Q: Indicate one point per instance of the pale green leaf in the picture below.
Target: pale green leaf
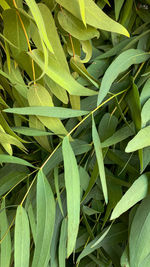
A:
(45, 221)
(137, 191)
(120, 64)
(47, 111)
(15, 160)
(62, 244)
(100, 161)
(72, 183)
(30, 131)
(140, 234)
(22, 239)
(145, 94)
(139, 141)
(94, 16)
(146, 113)
(6, 243)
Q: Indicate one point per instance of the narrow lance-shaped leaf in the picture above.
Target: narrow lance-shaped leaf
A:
(72, 182)
(62, 244)
(6, 243)
(140, 140)
(15, 160)
(22, 239)
(40, 23)
(120, 64)
(137, 191)
(57, 189)
(99, 156)
(45, 221)
(81, 4)
(52, 112)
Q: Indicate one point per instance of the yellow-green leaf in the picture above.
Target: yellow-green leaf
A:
(57, 73)
(94, 16)
(81, 4)
(39, 96)
(40, 23)
(75, 27)
(4, 4)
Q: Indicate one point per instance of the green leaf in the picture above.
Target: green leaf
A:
(40, 23)
(75, 27)
(139, 234)
(35, 123)
(145, 113)
(11, 175)
(139, 141)
(57, 189)
(39, 96)
(94, 16)
(119, 136)
(57, 90)
(115, 234)
(137, 191)
(72, 183)
(13, 30)
(100, 161)
(133, 100)
(59, 75)
(4, 5)
(81, 4)
(120, 64)
(45, 221)
(54, 112)
(53, 36)
(145, 94)
(8, 139)
(22, 239)
(118, 6)
(62, 244)
(79, 147)
(14, 160)
(6, 242)
(80, 68)
(102, 237)
(30, 131)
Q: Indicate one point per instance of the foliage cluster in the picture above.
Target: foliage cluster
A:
(74, 133)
